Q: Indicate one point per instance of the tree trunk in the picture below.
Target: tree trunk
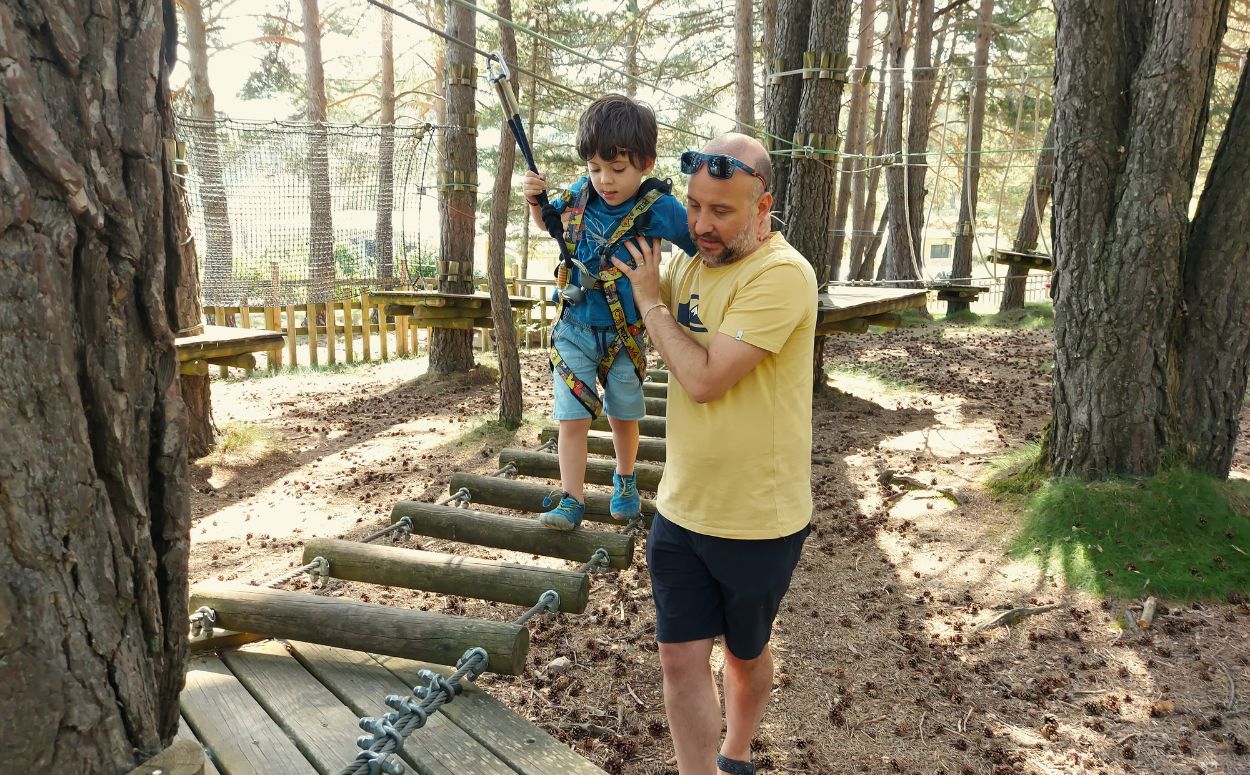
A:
(899, 266)
(768, 39)
(811, 183)
(744, 67)
(864, 197)
(320, 224)
(452, 350)
(810, 187)
(790, 42)
(510, 405)
(218, 250)
(1213, 336)
(961, 262)
(918, 124)
(384, 240)
(631, 47)
(1031, 221)
(1131, 108)
(854, 167)
(93, 490)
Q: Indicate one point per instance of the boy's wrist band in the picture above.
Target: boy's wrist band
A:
(531, 202)
(652, 307)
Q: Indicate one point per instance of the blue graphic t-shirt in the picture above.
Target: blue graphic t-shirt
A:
(599, 222)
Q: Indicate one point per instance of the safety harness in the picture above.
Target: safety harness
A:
(633, 223)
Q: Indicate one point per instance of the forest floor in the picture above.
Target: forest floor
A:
(879, 667)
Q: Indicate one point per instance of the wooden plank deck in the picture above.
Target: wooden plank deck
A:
(516, 741)
(847, 302)
(225, 342)
(291, 708)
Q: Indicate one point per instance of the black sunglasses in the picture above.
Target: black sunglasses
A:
(719, 165)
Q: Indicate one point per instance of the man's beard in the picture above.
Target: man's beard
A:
(742, 244)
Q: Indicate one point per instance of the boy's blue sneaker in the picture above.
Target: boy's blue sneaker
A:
(566, 516)
(626, 504)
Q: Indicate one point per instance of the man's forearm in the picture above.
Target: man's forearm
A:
(686, 359)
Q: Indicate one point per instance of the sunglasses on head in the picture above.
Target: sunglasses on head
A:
(719, 165)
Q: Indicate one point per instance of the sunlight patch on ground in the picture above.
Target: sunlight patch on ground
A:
(976, 437)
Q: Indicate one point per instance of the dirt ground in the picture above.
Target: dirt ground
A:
(879, 669)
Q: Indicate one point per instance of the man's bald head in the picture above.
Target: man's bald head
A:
(745, 149)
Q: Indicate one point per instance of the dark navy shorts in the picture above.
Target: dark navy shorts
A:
(706, 586)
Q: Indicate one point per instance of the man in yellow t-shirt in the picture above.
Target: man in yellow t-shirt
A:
(736, 326)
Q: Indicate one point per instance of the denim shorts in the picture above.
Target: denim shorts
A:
(581, 346)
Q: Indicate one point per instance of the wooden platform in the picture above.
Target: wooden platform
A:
(226, 346)
(291, 708)
(1027, 259)
(854, 308)
(954, 292)
(431, 309)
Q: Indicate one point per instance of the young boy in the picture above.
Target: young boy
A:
(616, 137)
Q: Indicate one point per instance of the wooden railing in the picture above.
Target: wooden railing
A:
(357, 330)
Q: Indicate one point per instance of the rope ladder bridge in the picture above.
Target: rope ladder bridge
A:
(281, 678)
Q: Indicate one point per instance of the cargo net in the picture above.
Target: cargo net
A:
(290, 213)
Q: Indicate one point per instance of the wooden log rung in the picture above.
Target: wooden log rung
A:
(529, 496)
(647, 426)
(449, 574)
(518, 535)
(348, 624)
(545, 464)
(600, 443)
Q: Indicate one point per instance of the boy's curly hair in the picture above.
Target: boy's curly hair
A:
(615, 124)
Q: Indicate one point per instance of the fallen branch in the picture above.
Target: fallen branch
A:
(1009, 618)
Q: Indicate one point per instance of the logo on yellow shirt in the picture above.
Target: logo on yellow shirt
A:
(688, 315)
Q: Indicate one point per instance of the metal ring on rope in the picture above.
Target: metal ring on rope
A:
(202, 621)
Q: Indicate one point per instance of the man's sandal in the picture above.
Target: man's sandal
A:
(733, 766)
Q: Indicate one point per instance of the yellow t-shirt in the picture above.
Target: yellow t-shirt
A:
(740, 466)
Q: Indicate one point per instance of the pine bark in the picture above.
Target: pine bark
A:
(320, 224)
(961, 261)
(451, 350)
(744, 67)
(898, 266)
(854, 168)
(789, 43)
(1132, 84)
(918, 123)
(811, 184)
(510, 404)
(93, 488)
(1031, 222)
(384, 238)
(1212, 341)
(218, 250)
(864, 240)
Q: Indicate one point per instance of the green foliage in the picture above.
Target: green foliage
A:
(1180, 534)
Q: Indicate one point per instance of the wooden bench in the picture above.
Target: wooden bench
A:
(956, 292)
(291, 708)
(1027, 259)
(852, 309)
(226, 346)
